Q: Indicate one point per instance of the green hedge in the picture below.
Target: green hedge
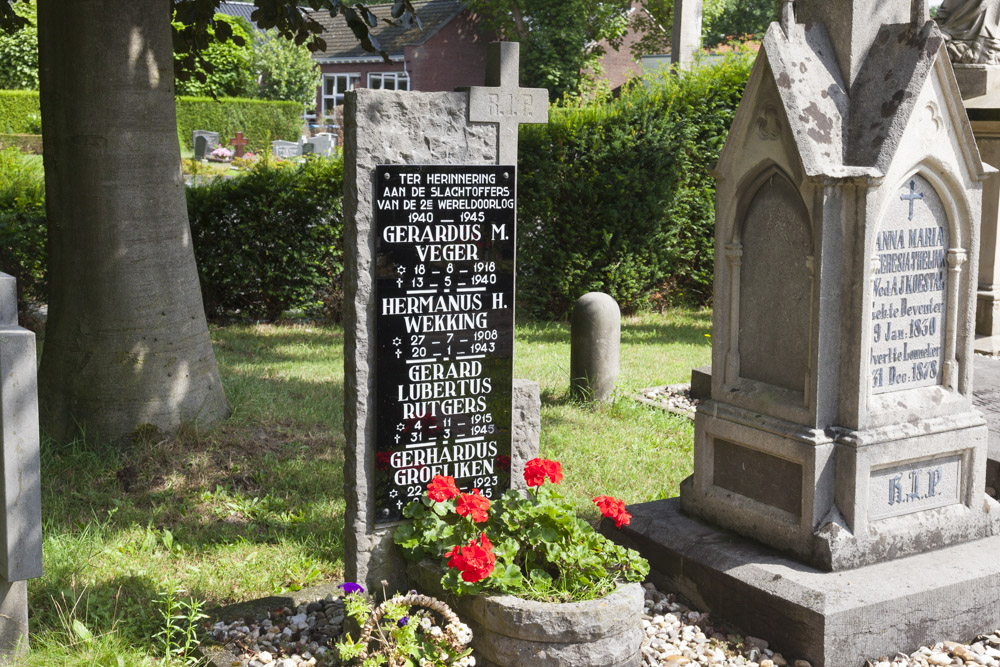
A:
(22, 224)
(618, 197)
(20, 112)
(271, 240)
(260, 121)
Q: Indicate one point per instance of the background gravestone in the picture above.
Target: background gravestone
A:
(840, 429)
(286, 149)
(428, 227)
(20, 485)
(204, 143)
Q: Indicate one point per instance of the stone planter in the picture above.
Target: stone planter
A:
(512, 632)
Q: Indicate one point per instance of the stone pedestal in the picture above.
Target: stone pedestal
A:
(20, 481)
(841, 430)
(831, 619)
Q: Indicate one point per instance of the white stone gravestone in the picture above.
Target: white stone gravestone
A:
(20, 486)
(426, 150)
(204, 143)
(286, 149)
(840, 429)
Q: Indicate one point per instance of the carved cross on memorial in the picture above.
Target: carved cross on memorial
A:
(239, 142)
(503, 102)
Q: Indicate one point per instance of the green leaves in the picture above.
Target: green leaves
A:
(619, 197)
(19, 48)
(543, 551)
(270, 240)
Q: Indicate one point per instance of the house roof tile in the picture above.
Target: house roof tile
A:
(341, 42)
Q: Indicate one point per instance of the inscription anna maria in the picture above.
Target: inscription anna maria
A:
(909, 290)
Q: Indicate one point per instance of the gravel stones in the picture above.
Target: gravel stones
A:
(678, 635)
(674, 635)
(674, 398)
(299, 637)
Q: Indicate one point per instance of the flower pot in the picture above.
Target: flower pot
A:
(513, 632)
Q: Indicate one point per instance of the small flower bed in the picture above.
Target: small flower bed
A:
(403, 632)
(534, 547)
(220, 154)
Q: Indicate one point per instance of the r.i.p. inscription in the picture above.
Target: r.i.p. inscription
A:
(909, 291)
(444, 298)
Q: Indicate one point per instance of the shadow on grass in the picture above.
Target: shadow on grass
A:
(532, 333)
(261, 345)
(664, 334)
(125, 605)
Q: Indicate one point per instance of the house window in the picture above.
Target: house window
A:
(334, 87)
(389, 80)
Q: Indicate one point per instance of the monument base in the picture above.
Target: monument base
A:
(840, 500)
(827, 618)
(989, 345)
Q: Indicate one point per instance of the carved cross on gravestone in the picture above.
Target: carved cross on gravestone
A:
(239, 142)
(913, 196)
(503, 102)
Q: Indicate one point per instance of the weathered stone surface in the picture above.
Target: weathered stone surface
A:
(20, 470)
(842, 326)
(595, 347)
(8, 301)
(512, 632)
(830, 619)
(701, 383)
(612, 651)
(384, 127)
(686, 33)
(775, 287)
(502, 102)
(526, 423)
(13, 618)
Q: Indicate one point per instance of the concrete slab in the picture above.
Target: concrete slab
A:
(986, 397)
(834, 619)
(987, 345)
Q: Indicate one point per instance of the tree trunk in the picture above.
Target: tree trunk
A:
(126, 342)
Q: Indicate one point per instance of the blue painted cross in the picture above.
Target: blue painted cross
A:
(911, 197)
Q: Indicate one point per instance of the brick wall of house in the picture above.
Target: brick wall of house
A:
(619, 66)
(454, 57)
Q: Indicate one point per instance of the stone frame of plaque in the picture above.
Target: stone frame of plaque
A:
(444, 290)
(950, 388)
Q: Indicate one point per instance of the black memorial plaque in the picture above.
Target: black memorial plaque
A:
(444, 298)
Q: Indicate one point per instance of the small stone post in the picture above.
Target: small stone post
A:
(20, 486)
(594, 354)
(686, 37)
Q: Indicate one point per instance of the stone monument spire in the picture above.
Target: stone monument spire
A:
(854, 24)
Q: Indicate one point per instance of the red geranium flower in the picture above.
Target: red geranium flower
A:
(442, 488)
(473, 504)
(382, 460)
(474, 561)
(536, 470)
(613, 508)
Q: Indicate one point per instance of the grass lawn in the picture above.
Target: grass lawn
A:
(254, 506)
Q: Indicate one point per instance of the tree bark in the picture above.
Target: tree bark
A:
(126, 341)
